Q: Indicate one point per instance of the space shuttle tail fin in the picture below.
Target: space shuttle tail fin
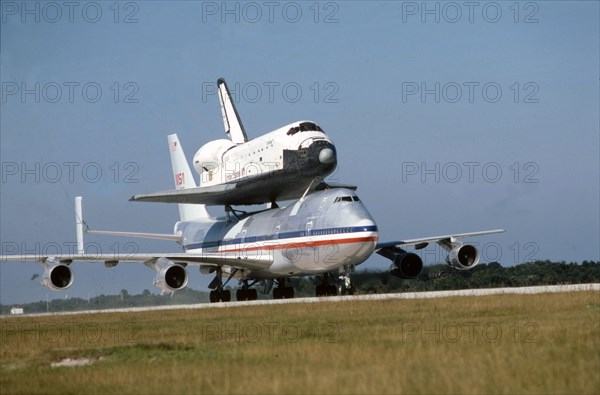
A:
(231, 120)
(184, 178)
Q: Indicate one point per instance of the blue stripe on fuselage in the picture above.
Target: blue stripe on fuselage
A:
(280, 236)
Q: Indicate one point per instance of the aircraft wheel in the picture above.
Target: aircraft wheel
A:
(277, 294)
(241, 295)
(251, 294)
(319, 291)
(225, 296)
(332, 290)
(213, 297)
(288, 292)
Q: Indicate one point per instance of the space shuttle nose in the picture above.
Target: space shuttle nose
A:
(326, 155)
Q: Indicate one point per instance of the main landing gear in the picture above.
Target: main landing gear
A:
(344, 286)
(246, 293)
(326, 289)
(282, 292)
(218, 293)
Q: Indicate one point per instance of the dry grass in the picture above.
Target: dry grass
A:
(539, 344)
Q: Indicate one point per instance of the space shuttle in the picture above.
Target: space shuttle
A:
(279, 165)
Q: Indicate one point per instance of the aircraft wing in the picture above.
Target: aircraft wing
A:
(217, 259)
(422, 242)
(211, 195)
(256, 190)
(409, 265)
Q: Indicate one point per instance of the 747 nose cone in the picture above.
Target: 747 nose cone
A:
(326, 156)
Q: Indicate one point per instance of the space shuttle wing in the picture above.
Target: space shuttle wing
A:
(242, 260)
(211, 195)
(257, 190)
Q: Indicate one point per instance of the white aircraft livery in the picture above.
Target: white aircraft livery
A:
(327, 231)
(279, 165)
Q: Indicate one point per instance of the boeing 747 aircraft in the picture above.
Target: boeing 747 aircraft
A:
(326, 231)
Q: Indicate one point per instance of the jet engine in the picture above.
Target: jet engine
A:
(462, 256)
(406, 265)
(210, 156)
(57, 276)
(170, 276)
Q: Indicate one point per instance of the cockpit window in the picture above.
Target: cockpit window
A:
(310, 127)
(305, 127)
(346, 199)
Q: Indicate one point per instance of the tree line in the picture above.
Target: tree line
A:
(432, 278)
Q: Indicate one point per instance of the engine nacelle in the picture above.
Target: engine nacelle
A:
(407, 265)
(170, 276)
(57, 276)
(210, 156)
(463, 257)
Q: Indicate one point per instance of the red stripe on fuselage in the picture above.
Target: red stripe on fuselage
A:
(304, 244)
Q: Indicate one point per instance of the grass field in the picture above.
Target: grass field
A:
(547, 343)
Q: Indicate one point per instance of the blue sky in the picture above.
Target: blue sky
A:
(448, 118)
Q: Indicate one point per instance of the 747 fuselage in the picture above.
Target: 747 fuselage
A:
(318, 234)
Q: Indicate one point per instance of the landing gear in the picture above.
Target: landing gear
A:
(246, 293)
(326, 289)
(219, 294)
(283, 292)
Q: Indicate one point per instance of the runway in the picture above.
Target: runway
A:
(347, 298)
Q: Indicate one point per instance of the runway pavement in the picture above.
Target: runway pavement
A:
(403, 295)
